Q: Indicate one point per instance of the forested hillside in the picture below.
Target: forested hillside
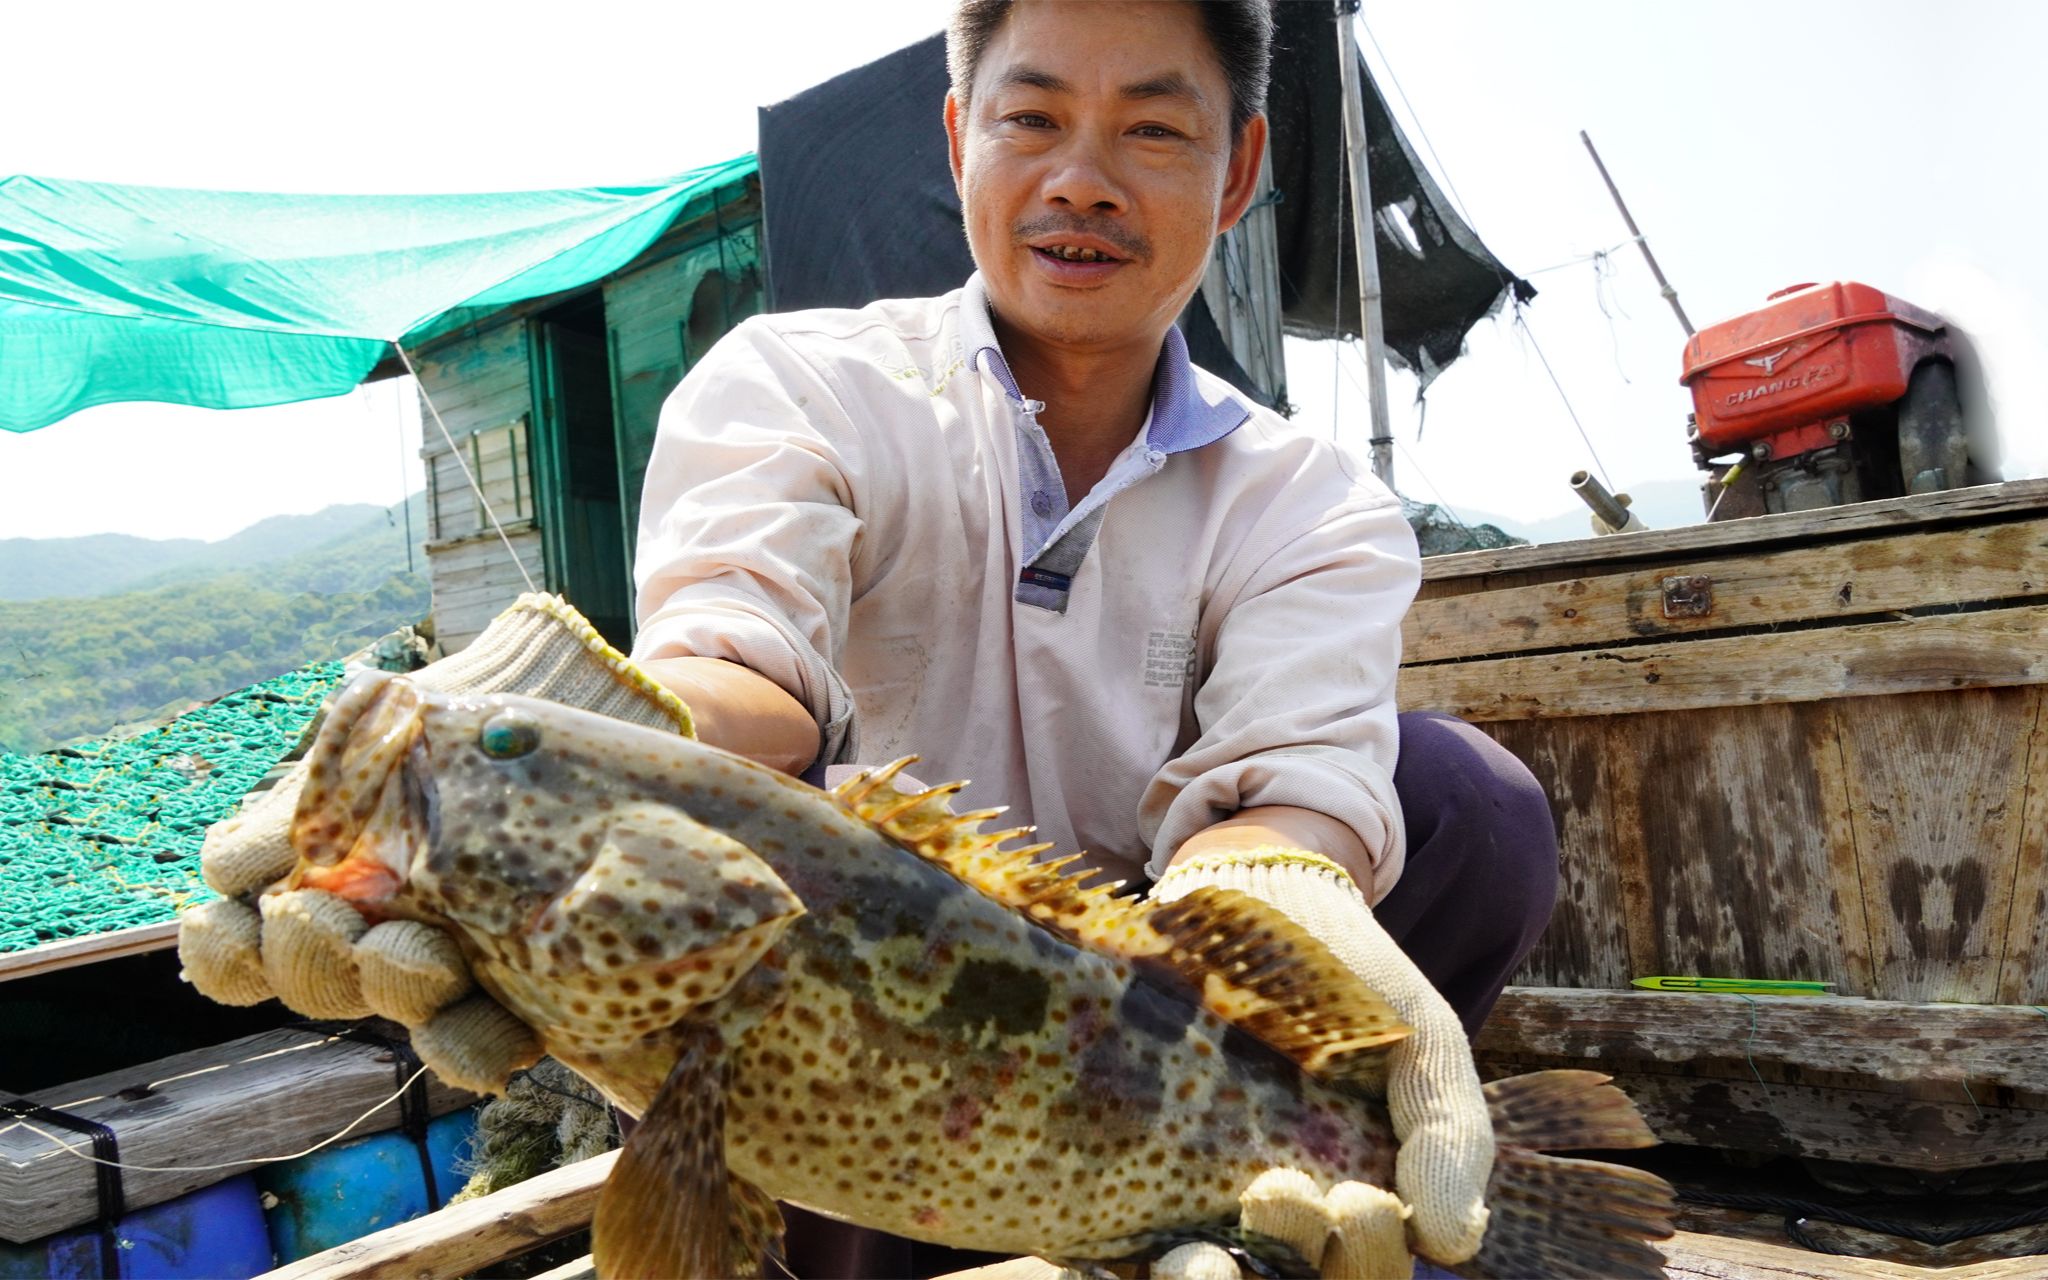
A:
(79, 667)
(103, 563)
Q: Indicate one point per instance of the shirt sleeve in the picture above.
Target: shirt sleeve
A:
(1298, 707)
(748, 529)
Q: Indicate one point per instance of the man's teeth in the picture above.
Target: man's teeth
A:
(1073, 254)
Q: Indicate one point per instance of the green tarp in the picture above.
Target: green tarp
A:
(235, 299)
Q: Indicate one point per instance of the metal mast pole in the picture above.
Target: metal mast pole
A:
(1663, 285)
(1369, 322)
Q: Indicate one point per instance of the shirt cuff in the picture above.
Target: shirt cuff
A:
(738, 632)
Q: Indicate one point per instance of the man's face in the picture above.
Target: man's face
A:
(1096, 168)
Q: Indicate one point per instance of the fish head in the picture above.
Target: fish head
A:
(367, 804)
(558, 846)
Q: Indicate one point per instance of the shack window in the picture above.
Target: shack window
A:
(500, 460)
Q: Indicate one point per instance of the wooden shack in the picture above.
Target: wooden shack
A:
(1809, 746)
(551, 405)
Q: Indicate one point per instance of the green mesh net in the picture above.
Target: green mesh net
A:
(105, 834)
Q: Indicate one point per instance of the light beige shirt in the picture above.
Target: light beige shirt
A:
(856, 505)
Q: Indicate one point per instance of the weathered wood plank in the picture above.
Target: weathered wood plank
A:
(1837, 834)
(1950, 506)
(464, 1238)
(1990, 649)
(1874, 1126)
(583, 1268)
(484, 578)
(1586, 942)
(1845, 580)
(1690, 1255)
(115, 943)
(1937, 786)
(194, 1109)
(1988, 1045)
(1737, 874)
(2023, 971)
(1768, 1227)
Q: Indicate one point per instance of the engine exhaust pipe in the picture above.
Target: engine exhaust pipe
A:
(1610, 514)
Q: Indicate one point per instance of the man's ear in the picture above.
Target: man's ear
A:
(1241, 180)
(954, 124)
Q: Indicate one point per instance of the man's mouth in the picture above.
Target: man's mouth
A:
(1075, 253)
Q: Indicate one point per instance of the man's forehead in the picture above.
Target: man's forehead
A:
(1136, 51)
(1160, 84)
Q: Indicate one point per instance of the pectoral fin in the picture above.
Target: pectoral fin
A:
(670, 1208)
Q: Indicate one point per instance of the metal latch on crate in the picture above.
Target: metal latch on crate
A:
(1688, 596)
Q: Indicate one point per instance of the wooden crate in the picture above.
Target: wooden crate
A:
(1808, 746)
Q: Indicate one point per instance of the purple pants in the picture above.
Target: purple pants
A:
(1472, 900)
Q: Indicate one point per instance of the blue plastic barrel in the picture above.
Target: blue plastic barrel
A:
(344, 1193)
(214, 1233)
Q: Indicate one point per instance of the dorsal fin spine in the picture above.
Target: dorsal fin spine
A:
(1243, 960)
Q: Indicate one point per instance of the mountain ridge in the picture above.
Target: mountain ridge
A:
(102, 564)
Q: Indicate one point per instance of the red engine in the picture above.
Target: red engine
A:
(1833, 393)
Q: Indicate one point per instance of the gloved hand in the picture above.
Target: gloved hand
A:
(1351, 1232)
(1433, 1091)
(314, 951)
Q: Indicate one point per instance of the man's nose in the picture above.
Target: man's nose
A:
(1083, 177)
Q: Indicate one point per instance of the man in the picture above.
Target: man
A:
(1014, 531)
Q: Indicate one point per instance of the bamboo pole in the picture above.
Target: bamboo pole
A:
(1371, 328)
(1642, 242)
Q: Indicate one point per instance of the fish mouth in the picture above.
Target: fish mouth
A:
(368, 803)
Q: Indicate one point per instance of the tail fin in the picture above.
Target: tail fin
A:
(1558, 1217)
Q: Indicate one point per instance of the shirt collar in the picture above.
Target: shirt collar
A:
(1185, 414)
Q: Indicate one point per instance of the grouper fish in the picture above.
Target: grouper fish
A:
(863, 1003)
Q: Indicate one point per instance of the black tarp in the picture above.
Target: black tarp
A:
(1436, 279)
(859, 205)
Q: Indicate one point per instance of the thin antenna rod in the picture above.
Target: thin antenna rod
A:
(1371, 328)
(1663, 285)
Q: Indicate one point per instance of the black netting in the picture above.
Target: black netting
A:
(1436, 279)
(1439, 532)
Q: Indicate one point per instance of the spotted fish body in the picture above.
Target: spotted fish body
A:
(857, 1001)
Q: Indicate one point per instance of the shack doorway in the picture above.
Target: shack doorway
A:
(582, 516)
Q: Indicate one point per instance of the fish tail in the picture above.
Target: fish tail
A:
(1557, 1216)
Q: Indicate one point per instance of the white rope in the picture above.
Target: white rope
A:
(72, 1148)
(474, 487)
(1594, 256)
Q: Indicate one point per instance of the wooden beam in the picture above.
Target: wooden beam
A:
(1993, 1045)
(1882, 1126)
(1690, 1256)
(1953, 651)
(49, 957)
(467, 1237)
(196, 1109)
(1858, 580)
(1950, 506)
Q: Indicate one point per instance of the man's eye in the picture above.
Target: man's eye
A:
(1031, 120)
(1155, 131)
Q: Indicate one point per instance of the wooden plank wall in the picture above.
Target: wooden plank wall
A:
(647, 311)
(475, 580)
(478, 382)
(1758, 793)
(1891, 845)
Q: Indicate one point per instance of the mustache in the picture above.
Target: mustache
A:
(1104, 229)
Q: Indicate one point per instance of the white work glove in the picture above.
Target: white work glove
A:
(1433, 1093)
(312, 950)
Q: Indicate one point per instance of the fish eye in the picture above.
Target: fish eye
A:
(508, 736)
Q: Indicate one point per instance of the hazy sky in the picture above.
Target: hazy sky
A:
(1759, 145)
